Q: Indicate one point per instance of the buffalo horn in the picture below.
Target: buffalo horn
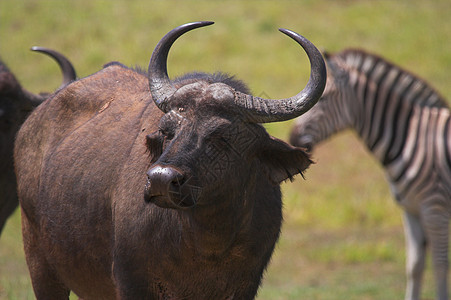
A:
(67, 69)
(160, 85)
(260, 110)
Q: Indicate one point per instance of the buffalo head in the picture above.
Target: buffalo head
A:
(16, 102)
(209, 134)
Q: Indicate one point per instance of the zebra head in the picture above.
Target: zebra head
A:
(331, 114)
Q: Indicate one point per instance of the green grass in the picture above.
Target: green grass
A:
(342, 236)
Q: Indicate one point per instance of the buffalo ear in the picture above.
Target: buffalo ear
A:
(281, 160)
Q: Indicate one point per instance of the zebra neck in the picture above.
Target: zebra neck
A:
(387, 98)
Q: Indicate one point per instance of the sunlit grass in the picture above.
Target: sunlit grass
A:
(342, 237)
(14, 279)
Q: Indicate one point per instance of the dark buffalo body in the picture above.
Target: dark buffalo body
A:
(124, 196)
(14, 107)
(15, 104)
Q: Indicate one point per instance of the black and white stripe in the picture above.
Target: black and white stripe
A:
(406, 124)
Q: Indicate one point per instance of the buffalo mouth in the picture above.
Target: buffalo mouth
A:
(171, 200)
(168, 188)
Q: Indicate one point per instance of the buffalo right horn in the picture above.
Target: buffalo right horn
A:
(260, 110)
(160, 85)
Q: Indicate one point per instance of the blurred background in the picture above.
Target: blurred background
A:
(342, 237)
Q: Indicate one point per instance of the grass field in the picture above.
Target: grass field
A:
(342, 237)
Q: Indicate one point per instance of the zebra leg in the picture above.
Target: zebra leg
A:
(416, 252)
(436, 223)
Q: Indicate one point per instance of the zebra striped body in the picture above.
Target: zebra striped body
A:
(407, 126)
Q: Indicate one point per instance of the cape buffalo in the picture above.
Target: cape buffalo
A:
(15, 104)
(133, 186)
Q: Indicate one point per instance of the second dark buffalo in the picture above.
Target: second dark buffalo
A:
(15, 105)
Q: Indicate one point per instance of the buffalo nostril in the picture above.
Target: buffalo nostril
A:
(162, 179)
(167, 187)
(178, 181)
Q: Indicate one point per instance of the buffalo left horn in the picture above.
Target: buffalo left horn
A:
(160, 85)
(67, 69)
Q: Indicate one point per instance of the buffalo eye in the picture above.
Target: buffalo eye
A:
(168, 126)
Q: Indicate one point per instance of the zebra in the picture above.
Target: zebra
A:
(406, 125)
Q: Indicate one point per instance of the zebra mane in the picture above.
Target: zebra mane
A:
(363, 62)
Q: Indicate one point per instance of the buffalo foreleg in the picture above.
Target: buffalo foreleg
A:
(46, 284)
